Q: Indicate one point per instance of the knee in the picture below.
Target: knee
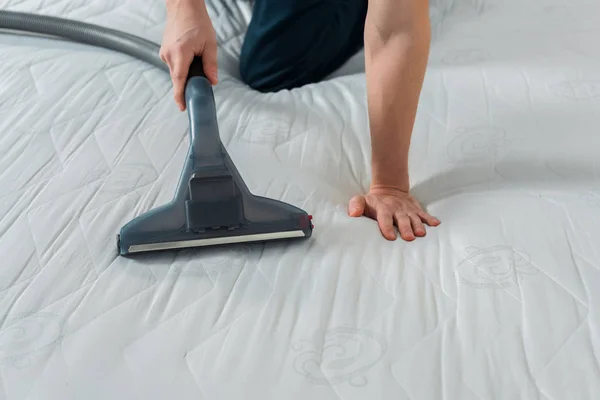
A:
(295, 45)
(253, 74)
(264, 70)
(274, 67)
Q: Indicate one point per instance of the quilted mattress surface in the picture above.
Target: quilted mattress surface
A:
(501, 301)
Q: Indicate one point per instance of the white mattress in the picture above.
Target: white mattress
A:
(501, 301)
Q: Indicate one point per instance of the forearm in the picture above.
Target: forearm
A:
(397, 40)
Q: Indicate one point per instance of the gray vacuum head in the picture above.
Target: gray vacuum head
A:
(212, 204)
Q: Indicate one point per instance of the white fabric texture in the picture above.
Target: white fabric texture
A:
(501, 301)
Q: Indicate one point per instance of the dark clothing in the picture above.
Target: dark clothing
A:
(291, 43)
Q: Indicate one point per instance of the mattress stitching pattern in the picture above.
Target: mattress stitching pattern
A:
(62, 292)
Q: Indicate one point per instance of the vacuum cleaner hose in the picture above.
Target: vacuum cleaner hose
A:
(85, 33)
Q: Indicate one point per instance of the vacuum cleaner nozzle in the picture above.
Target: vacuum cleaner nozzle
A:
(212, 205)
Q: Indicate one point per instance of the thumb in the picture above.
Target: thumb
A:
(356, 207)
(209, 63)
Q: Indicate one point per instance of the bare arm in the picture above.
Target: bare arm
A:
(397, 40)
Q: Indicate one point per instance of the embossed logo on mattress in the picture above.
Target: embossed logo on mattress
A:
(577, 89)
(496, 267)
(343, 354)
(24, 336)
(591, 198)
(477, 143)
(266, 129)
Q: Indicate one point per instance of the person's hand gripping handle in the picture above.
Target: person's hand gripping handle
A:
(188, 35)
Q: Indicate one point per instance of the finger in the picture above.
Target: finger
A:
(356, 207)
(404, 227)
(209, 62)
(386, 225)
(428, 219)
(417, 226)
(179, 71)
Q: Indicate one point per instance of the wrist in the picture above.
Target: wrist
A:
(390, 176)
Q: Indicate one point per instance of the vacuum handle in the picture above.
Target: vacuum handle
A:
(205, 140)
(196, 68)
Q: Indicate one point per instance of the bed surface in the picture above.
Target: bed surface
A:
(501, 301)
